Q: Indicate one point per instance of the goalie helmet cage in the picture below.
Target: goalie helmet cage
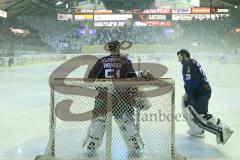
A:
(67, 131)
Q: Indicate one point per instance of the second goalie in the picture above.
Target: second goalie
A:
(114, 66)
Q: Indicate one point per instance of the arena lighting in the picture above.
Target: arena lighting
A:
(20, 32)
(3, 14)
(237, 30)
(59, 3)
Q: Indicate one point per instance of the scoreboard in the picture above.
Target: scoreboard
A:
(84, 32)
(112, 17)
(83, 17)
(152, 17)
(147, 17)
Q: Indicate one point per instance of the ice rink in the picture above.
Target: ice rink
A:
(24, 110)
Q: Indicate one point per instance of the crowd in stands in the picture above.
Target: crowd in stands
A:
(138, 35)
(60, 35)
(54, 32)
(12, 39)
(207, 33)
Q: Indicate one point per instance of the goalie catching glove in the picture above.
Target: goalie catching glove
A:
(145, 75)
(142, 101)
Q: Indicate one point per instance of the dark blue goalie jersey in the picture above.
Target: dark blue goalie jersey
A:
(112, 66)
(195, 80)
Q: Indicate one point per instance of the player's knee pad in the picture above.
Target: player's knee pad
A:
(129, 132)
(95, 132)
(212, 124)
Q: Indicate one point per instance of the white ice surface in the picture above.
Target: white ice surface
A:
(24, 109)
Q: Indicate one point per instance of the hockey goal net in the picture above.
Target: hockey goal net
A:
(71, 112)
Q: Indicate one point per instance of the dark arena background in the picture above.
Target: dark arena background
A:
(39, 36)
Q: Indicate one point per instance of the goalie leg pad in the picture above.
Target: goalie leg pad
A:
(213, 125)
(194, 129)
(129, 132)
(95, 132)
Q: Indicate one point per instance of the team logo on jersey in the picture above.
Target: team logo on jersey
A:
(188, 77)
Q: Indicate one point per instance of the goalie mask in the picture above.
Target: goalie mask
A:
(113, 47)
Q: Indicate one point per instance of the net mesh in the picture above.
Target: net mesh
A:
(76, 102)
